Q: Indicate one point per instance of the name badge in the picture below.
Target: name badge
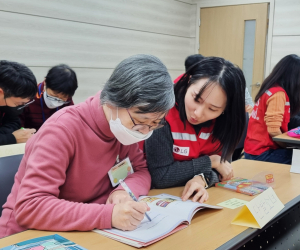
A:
(120, 171)
(181, 150)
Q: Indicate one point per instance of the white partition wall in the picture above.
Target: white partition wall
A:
(286, 32)
(94, 36)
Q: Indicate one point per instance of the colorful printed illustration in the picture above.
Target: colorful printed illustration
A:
(149, 199)
(164, 202)
(50, 242)
(243, 186)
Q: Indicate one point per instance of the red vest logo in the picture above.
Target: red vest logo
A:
(181, 150)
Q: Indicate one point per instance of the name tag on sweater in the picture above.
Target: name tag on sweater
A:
(181, 150)
(120, 171)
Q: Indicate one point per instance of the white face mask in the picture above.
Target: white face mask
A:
(51, 104)
(124, 135)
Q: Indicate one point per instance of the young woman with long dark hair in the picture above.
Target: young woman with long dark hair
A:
(202, 130)
(277, 100)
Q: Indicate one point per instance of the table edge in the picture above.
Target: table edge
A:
(242, 238)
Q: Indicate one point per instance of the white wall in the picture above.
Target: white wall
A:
(286, 31)
(94, 36)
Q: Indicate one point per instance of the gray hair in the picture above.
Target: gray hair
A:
(140, 81)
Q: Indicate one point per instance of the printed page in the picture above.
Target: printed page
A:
(167, 212)
(165, 203)
(54, 241)
(160, 224)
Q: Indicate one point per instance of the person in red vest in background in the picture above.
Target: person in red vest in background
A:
(277, 100)
(54, 93)
(202, 129)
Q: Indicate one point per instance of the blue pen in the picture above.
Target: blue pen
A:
(127, 189)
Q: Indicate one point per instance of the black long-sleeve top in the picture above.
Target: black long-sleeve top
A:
(165, 171)
(9, 122)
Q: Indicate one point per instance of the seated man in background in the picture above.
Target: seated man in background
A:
(18, 86)
(54, 92)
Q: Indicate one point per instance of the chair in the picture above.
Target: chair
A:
(8, 168)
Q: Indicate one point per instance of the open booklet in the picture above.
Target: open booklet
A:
(168, 214)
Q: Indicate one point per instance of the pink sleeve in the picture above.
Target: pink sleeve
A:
(140, 181)
(38, 205)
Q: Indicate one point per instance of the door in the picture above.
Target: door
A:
(238, 34)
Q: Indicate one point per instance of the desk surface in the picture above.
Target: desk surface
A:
(209, 228)
(286, 139)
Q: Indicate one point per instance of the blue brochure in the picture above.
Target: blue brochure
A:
(54, 241)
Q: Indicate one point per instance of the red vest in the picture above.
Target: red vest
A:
(258, 139)
(178, 78)
(187, 145)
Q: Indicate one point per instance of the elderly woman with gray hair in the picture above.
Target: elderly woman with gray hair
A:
(66, 180)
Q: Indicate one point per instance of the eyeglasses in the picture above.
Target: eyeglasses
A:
(24, 105)
(137, 127)
(55, 99)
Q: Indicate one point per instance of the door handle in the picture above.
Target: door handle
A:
(256, 84)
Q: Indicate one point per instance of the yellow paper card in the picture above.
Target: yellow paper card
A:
(260, 210)
(233, 203)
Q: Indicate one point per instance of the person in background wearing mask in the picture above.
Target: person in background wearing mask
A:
(17, 89)
(54, 93)
(73, 190)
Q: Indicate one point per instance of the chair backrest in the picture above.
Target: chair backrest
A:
(8, 168)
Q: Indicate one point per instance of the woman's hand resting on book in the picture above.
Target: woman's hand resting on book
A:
(224, 168)
(128, 215)
(195, 185)
(118, 196)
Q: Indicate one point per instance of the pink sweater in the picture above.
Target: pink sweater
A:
(62, 182)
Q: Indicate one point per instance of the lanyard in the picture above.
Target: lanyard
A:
(42, 104)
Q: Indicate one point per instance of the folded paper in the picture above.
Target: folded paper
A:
(259, 211)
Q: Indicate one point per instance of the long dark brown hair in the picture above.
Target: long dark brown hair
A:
(229, 126)
(285, 74)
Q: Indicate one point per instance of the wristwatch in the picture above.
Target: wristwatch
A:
(203, 178)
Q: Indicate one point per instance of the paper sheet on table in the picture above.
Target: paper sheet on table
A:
(233, 203)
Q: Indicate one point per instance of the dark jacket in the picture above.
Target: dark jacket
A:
(9, 122)
(294, 122)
